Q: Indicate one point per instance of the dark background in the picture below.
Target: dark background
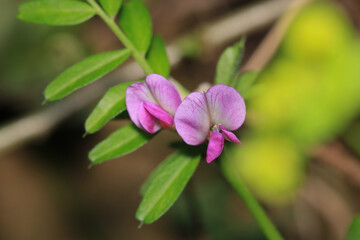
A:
(47, 190)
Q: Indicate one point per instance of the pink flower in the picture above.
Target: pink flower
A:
(152, 104)
(211, 115)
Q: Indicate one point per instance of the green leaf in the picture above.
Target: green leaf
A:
(166, 184)
(157, 57)
(135, 20)
(354, 229)
(84, 72)
(59, 13)
(121, 142)
(245, 81)
(111, 104)
(229, 64)
(111, 7)
(163, 165)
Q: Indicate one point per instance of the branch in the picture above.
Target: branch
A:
(329, 204)
(339, 158)
(38, 124)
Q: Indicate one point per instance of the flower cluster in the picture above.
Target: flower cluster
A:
(212, 116)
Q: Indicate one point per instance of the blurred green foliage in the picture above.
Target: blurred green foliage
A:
(207, 205)
(31, 54)
(272, 166)
(354, 229)
(306, 96)
(351, 138)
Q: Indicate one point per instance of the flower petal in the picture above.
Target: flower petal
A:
(192, 119)
(164, 92)
(230, 136)
(135, 95)
(226, 106)
(147, 121)
(159, 113)
(215, 147)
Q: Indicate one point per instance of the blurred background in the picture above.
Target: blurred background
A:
(301, 142)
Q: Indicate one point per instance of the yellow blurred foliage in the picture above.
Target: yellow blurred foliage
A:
(272, 166)
(307, 95)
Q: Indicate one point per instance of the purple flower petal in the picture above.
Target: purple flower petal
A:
(229, 135)
(192, 119)
(164, 92)
(226, 106)
(135, 95)
(159, 113)
(147, 121)
(215, 147)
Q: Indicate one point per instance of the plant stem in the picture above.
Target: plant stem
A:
(233, 176)
(140, 58)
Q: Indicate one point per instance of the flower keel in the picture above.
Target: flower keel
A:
(152, 104)
(215, 147)
(211, 115)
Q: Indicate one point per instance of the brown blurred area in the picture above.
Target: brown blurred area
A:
(47, 190)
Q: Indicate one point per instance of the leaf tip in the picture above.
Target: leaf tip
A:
(141, 224)
(89, 128)
(20, 16)
(47, 96)
(92, 158)
(20, 11)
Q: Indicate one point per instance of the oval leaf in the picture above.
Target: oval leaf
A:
(245, 82)
(163, 165)
(60, 13)
(354, 229)
(111, 7)
(135, 20)
(166, 184)
(111, 105)
(84, 72)
(157, 57)
(229, 64)
(121, 142)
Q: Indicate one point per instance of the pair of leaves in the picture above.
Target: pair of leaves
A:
(70, 12)
(165, 184)
(135, 21)
(113, 102)
(58, 13)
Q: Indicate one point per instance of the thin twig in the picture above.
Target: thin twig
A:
(338, 157)
(270, 44)
(330, 205)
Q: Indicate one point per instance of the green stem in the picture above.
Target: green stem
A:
(140, 58)
(233, 176)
